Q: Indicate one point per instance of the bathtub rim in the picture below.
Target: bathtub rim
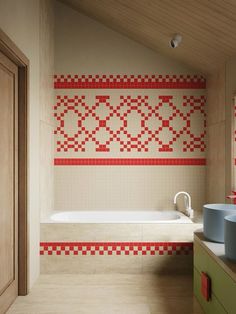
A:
(182, 220)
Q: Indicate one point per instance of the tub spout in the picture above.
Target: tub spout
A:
(187, 201)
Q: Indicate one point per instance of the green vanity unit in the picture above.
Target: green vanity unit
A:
(213, 269)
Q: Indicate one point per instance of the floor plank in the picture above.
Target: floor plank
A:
(109, 294)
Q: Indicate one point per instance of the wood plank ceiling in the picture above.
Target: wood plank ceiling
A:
(208, 27)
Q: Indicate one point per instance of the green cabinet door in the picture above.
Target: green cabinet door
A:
(213, 306)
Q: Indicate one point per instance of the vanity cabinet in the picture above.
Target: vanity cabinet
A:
(211, 267)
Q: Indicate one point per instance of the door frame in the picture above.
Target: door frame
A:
(9, 49)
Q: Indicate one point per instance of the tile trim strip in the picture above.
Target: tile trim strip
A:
(116, 248)
(129, 161)
(102, 81)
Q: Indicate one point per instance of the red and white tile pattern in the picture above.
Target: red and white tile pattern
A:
(129, 81)
(114, 132)
(116, 248)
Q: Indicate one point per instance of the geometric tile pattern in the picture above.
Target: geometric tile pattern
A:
(129, 81)
(197, 141)
(115, 127)
(116, 248)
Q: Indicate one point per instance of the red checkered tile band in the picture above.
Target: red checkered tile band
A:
(116, 248)
(129, 161)
(129, 81)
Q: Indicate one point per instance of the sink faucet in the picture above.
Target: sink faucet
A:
(187, 201)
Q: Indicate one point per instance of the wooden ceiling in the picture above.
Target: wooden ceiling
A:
(208, 27)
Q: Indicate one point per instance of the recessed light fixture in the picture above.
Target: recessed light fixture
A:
(175, 41)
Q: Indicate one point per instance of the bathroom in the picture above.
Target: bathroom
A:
(128, 104)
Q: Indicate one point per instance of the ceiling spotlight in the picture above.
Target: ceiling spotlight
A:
(175, 41)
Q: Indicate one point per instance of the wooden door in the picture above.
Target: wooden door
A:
(8, 182)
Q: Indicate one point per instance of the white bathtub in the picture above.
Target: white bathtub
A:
(118, 217)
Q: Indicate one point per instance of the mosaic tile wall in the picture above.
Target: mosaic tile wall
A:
(153, 122)
(130, 125)
(147, 120)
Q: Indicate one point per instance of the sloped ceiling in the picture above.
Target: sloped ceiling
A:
(208, 27)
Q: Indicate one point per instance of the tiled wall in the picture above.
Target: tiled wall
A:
(230, 92)
(123, 248)
(234, 149)
(221, 89)
(118, 257)
(216, 181)
(106, 115)
(130, 124)
(46, 38)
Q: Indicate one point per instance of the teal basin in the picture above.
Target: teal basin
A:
(213, 220)
(230, 237)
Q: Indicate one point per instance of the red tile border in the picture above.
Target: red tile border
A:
(65, 81)
(116, 248)
(129, 161)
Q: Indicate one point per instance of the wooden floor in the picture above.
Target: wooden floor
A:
(109, 294)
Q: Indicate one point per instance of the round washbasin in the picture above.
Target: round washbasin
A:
(213, 220)
(230, 237)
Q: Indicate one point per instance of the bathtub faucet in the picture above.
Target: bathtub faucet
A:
(187, 201)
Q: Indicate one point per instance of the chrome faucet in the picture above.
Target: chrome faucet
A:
(187, 202)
